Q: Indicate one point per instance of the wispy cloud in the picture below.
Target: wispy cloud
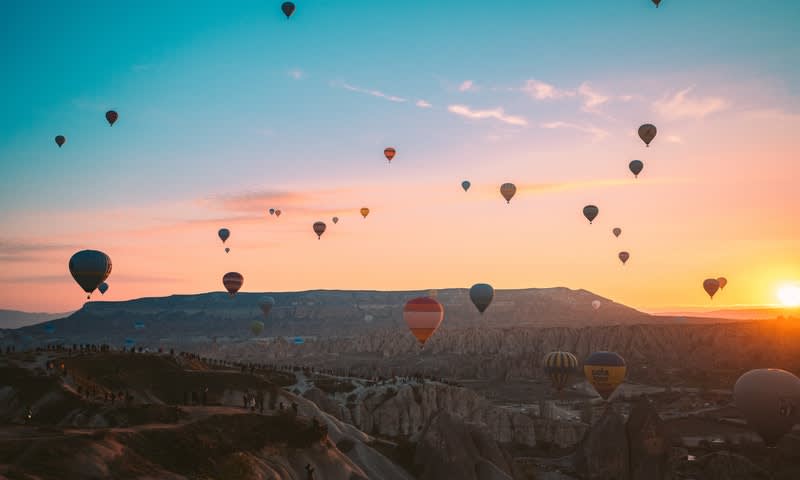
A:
(596, 132)
(545, 91)
(496, 113)
(674, 139)
(467, 85)
(681, 105)
(374, 93)
(591, 98)
(296, 73)
(423, 104)
(20, 247)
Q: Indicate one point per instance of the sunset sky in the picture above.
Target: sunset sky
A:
(228, 109)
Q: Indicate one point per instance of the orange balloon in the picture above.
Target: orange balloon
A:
(364, 212)
(423, 315)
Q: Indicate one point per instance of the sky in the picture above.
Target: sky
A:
(227, 109)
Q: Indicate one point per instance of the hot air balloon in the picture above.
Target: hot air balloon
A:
(288, 9)
(272, 211)
(233, 282)
(481, 295)
(617, 231)
(769, 399)
(507, 190)
(656, 2)
(111, 117)
(103, 287)
(227, 249)
(364, 212)
(636, 167)
(560, 367)
(266, 305)
(465, 185)
(319, 229)
(596, 304)
(90, 268)
(711, 285)
(389, 153)
(335, 220)
(605, 371)
(257, 327)
(60, 140)
(647, 133)
(590, 212)
(722, 282)
(423, 315)
(277, 213)
(624, 256)
(223, 234)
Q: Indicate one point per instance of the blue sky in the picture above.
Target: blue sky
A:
(222, 99)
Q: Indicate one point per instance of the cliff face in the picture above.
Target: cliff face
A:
(404, 410)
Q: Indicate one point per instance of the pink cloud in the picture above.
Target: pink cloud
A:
(496, 113)
(545, 91)
(681, 105)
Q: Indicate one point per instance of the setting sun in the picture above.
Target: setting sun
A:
(789, 295)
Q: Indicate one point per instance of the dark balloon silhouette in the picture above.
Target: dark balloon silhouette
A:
(722, 282)
(711, 285)
(507, 190)
(481, 295)
(560, 367)
(590, 212)
(103, 287)
(90, 268)
(60, 140)
(465, 185)
(647, 133)
(769, 399)
(288, 9)
(111, 117)
(624, 256)
(636, 167)
(656, 2)
(617, 231)
(319, 229)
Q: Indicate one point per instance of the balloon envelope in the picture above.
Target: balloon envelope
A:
(389, 153)
(103, 287)
(465, 185)
(481, 295)
(596, 304)
(722, 282)
(711, 285)
(423, 315)
(232, 281)
(277, 213)
(111, 117)
(272, 211)
(560, 367)
(617, 231)
(507, 190)
(656, 2)
(266, 305)
(335, 220)
(90, 268)
(624, 256)
(590, 212)
(636, 167)
(319, 229)
(769, 399)
(605, 371)
(647, 133)
(364, 212)
(257, 327)
(287, 8)
(60, 140)
(224, 233)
